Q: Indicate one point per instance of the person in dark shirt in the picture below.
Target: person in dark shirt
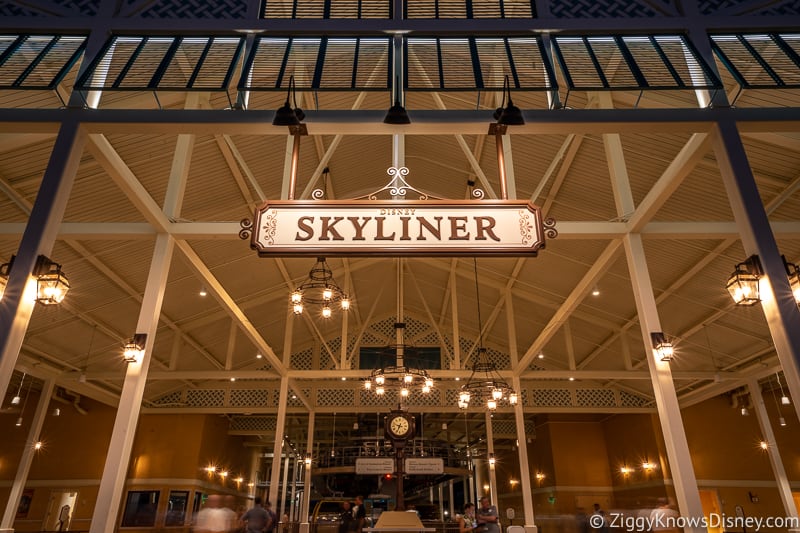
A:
(346, 519)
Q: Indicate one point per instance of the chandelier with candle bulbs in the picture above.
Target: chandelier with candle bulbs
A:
(319, 289)
(485, 384)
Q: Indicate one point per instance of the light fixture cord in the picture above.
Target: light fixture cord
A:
(21, 381)
(778, 377)
(775, 398)
(710, 351)
(478, 298)
(89, 351)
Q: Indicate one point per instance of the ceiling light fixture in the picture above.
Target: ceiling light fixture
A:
(133, 351)
(784, 399)
(510, 115)
(397, 114)
(793, 272)
(743, 283)
(51, 283)
(287, 115)
(485, 383)
(18, 396)
(662, 347)
(399, 375)
(320, 289)
(5, 271)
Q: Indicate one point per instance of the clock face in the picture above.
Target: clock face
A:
(399, 426)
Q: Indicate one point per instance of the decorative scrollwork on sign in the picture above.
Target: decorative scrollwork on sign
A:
(317, 194)
(247, 229)
(270, 226)
(478, 193)
(550, 230)
(525, 226)
(397, 187)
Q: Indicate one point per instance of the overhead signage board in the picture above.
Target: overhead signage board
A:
(397, 228)
(374, 465)
(424, 465)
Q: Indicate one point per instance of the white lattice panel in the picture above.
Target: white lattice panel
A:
(433, 398)
(325, 361)
(335, 345)
(385, 327)
(369, 398)
(294, 401)
(552, 398)
(205, 398)
(414, 328)
(249, 397)
(335, 397)
(253, 423)
(626, 399)
(596, 398)
(431, 339)
(368, 339)
(302, 360)
(506, 427)
(172, 398)
(498, 358)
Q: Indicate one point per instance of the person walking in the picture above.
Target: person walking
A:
(256, 518)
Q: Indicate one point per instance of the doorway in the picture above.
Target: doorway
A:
(709, 499)
(60, 510)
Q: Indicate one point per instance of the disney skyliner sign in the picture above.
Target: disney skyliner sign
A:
(397, 227)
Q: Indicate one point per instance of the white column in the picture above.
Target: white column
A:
(282, 509)
(28, 453)
(669, 414)
(784, 489)
(451, 494)
(292, 501)
(280, 425)
(524, 469)
(254, 461)
(777, 301)
(304, 526)
(112, 483)
(490, 450)
(38, 238)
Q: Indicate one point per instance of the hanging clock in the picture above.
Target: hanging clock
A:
(400, 426)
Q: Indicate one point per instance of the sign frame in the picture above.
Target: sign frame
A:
(263, 230)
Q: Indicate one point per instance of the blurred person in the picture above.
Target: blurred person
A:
(600, 524)
(582, 520)
(359, 514)
(272, 522)
(466, 521)
(256, 518)
(213, 518)
(346, 518)
(487, 516)
(663, 516)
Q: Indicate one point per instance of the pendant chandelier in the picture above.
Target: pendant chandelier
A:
(399, 376)
(485, 384)
(320, 289)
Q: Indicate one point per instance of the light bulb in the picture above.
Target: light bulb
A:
(463, 397)
(15, 400)
(379, 390)
(763, 444)
(19, 422)
(327, 293)
(38, 445)
(297, 297)
(326, 312)
(782, 421)
(785, 400)
(497, 394)
(380, 380)
(368, 384)
(429, 383)
(491, 404)
(404, 392)
(298, 309)
(513, 398)
(345, 304)
(408, 378)
(426, 389)
(203, 292)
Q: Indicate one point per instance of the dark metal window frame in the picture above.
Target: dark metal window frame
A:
(642, 84)
(19, 82)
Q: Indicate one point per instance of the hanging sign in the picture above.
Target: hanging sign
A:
(397, 228)
(424, 465)
(374, 465)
